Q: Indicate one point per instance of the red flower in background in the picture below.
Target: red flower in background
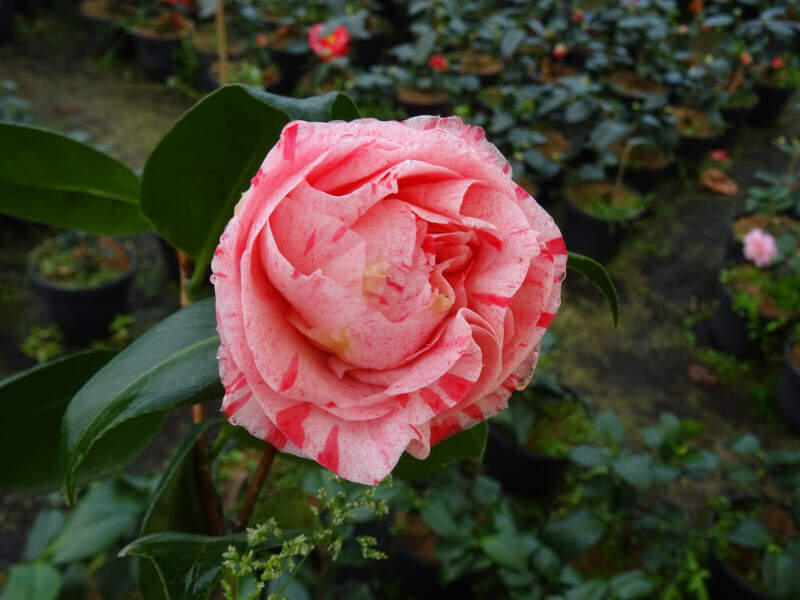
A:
(261, 40)
(719, 155)
(334, 45)
(777, 63)
(560, 50)
(438, 63)
(186, 3)
(746, 58)
(578, 16)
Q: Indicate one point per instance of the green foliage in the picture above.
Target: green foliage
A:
(50, 178)
(43, 343)
(76, 260)
(594, 272)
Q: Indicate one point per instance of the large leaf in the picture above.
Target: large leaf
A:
(467, 444)
(53, 179)
(32, 404)
(171, 365)
(197, 173)
(37, 581)
(575, 533)
(594, 272)
(108, 510)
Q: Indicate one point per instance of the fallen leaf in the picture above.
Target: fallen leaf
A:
(718, 181)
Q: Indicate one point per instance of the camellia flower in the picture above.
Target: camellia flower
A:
(578, 16)
(719, 155)
(777, 63)
(560, 50)
(334, 45)
(261, 40)
(438, 63)
(683, 29)
(760, 247)
(746, 59)
(381, 287)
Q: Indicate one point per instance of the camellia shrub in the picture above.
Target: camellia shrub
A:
(381, 288)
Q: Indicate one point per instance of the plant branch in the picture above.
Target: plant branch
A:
(253, 491)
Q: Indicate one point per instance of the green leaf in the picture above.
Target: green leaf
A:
(779, 571)
(37, 581)
(747, 443)
(594, 272)
(199, 170)
(32, 404)
(590, 456)
(631, 585)
(699, 463)
(635, 469)
(594, 589)
(468, 444)
(46, 525)
(609, 428)
(750, 534)
(171, 365)
(188, 565)
(50, 178)
(507, 550)
(289, 507)
(107, 511)
(575, 533)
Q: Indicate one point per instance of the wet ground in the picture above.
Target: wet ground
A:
(666, 272)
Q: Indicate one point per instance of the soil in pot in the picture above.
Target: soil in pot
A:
(735, 113)
(84, 280)
(645, 167)
(423, 102)
(772, 99)
(633, 87)
(736, 569)
(484, 66)
(698, 135)
(550, 71)
(597, 213)
(789, 384)
(158, 42)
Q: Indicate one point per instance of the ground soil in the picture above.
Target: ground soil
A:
(666, 272)
(692, 122)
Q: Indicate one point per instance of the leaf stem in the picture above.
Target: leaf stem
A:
(254, 489)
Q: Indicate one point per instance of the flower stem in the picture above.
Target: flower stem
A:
(254, 489)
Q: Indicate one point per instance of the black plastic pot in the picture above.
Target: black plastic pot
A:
(694, 149)
(6, 21)
(157, 55)
(789, 387)
(366, 52)
(728, 329)
(84, 314)
(520, 471)
(643, 179)
(586, 234)
(291, 66)
(413, 109)
(107, 33)
(735, 117)
(771, 102)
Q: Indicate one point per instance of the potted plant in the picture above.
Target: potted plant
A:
(535, 434)
(160, 28)
(789, 384)
(700, 132)
(205, 45)
(775, 86)
(245, 71)
(84, 280)
(107, 21)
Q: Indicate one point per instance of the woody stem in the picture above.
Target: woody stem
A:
(254, 489)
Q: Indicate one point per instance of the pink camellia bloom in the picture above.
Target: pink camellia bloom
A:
(334, 45)
(746, 59)
(760, 247)
(777, 63)
(437, 62)
(560, 50)
(578, 16)
(719, 155)
(381, 287)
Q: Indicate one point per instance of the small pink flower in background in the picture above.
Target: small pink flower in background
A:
(746, 59)
(683, 29)
(560, 50)
(777, 63)
(760, 247)
(334, 45)
(261, 40)
(719, 155)
(578, 16)
(438, 63)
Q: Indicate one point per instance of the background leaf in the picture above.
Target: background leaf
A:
(53, 179)
(37, 581)
(467, 444)
(32, 404)
(575, 533)
(594, 272)
(171, 365)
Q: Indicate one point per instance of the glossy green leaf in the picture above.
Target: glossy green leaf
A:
(289, 507)
(746, 443)
(37, 581)
(779, 572)
(32, 404)
(631, 585)
(609, 428)
(590, 456)
(468, 444)
(635, 469)
(575, 533)
(53, 179)
(750, 534)
(45, 527)
(594, 589)
(594, 272)
(199, 170)
(107, 511)
(171, 365)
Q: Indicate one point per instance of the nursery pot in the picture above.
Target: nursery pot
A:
(6, 21)
(84, 314)
(521, 471)
(587, 234)
(771, 102)
(695, 148)
(419, 102)
(290, 65)
(728, 328)
(156, 52)
(789, 384)
(366, 52)
(735, 117)
(105, 28)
